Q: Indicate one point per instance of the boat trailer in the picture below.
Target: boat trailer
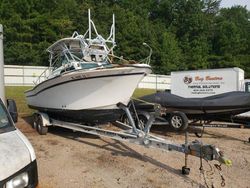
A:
(141, 136)
(208, 124)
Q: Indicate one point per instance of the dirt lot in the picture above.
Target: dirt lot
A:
(68, 159)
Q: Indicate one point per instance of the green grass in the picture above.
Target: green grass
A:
(17, 93)
(142, 92)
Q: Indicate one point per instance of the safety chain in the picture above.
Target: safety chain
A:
(218, 167)
(208, 174)
(202, 171)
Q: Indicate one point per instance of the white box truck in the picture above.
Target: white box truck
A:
(203, 83)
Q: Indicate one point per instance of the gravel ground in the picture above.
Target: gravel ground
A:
(73, 159)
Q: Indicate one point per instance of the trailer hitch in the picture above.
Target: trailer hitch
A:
(195, 148)
(207, 152)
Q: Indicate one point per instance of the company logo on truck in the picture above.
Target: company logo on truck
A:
(203, 84)
(207, 82)
(187, 79)
(207, 78)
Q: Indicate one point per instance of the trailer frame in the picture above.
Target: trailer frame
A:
(205, 124)
(140, 136)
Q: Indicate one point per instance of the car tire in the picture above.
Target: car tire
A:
(178, 121)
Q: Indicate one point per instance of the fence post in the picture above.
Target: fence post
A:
(23, 76)
(156, 81)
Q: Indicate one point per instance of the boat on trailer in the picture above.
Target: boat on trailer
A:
(85, 85)
(85, 80)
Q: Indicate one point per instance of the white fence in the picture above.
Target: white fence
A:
(156, 81)
(15, 75)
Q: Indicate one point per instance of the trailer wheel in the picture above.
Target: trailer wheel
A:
(124, 119)
(178, 121)
(142, 121)
(35, 121)
(41, 128)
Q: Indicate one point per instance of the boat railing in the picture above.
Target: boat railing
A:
(145, 61)
(148, 58)
(125, 61)
(43, 76)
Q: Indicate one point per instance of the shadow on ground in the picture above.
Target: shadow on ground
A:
(118, 148)
(163, 130)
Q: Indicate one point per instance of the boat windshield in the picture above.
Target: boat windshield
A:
(95, 65)
(89, 65)
(60, 61)
(5, 122)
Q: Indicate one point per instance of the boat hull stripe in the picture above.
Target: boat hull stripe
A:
(86, 78)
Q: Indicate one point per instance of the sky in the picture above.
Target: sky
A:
(229, 3)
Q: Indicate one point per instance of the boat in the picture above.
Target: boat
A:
(214, 107)
(85, 80)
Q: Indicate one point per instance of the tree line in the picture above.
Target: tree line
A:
(184, 34)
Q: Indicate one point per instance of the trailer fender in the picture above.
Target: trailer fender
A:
(45, 118)
(144, 113)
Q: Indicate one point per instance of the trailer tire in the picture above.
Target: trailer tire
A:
(41, 128)
(35, 121)
(178, 121)
(143, 119)
(124, 119)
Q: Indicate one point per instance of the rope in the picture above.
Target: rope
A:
(146, 102)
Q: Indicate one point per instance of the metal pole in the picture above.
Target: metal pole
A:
(113, 29)
(2, 89)
(89, 25)
(156, 83)
(150, 52)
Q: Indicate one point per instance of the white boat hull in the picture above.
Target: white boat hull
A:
(81, 91)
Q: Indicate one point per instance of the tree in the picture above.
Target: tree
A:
(184, 34)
